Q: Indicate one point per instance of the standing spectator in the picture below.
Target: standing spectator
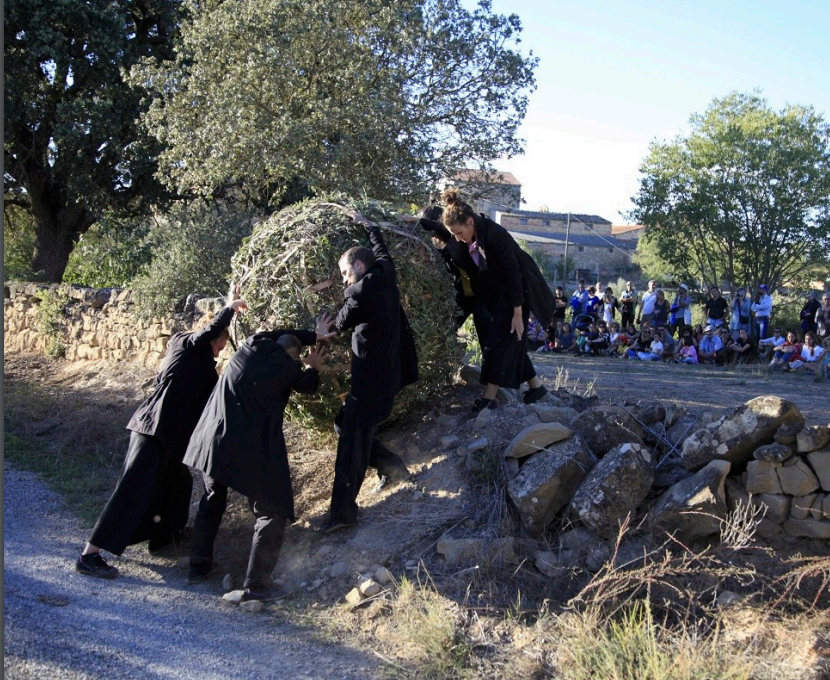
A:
(681, 310)
(823, 318)
(647, 303)
(825, 364)
(594, 305)
(739, 308)
(711, 346)
(716, 307)
(560, 305)
(810, 355)
(151, 499)
(767, 346)
(743, 348)
(660, 315)
(808, 313)
(609, 306)
(762, 309)
(687, 354)
(628, 305)
(785, 351)
(579, 300)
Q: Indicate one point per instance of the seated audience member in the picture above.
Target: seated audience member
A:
(599, 343)
(825, 364)
(687, 332)
(660, 315)
(710, 348)
(565, 341)
(743, 348)
(669, 343)
(640, 343)
(716, 308)
(654, 351)
(723, 333)
(699, 334)
(810, 356)
(782, 355)
(535, 333)
(614, 339)
(687, 354)
(583, 336)
(767, 346)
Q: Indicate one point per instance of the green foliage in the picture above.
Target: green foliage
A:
(18, 243)
(191, 249)
(744, 198)
(111, 254)
(361, 96)
(648, 257)
(51, 318)
(72, 145)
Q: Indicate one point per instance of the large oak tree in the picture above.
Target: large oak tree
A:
(359, 96)
(72, 144)
(744, 198)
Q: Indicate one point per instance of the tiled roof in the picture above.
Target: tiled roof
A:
(591, 240)
(626, 228)
(495, 177)
(559, 217)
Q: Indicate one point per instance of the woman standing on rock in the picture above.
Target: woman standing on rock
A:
(152, 497)
(511, 286)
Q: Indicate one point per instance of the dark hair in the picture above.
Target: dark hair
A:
(358, 253)
(431, 212)
(687, 340)
(456, 211)
(288, 341)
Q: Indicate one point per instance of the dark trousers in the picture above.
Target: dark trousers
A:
(269, 532)
(357, 448)
(151, 498)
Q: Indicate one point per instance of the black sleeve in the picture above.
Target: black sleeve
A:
(305, 337)
(212, 331)
(307, 381)
(379, 248)
(501, 248)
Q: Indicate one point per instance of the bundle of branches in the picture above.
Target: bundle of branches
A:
(289, 276)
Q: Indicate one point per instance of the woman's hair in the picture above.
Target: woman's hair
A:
(431, 212)
(204, 321)
(456, 211)
(810, 334)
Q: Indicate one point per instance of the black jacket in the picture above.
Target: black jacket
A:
(182, 387)
(506, 270)
(384, 359)
(239, 440)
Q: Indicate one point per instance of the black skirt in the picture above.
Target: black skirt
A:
(504, 356)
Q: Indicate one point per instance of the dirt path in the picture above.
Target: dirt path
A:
(145, 624)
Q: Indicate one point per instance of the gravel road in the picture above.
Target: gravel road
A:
(145, 624)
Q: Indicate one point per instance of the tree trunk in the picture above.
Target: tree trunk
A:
(57, 228)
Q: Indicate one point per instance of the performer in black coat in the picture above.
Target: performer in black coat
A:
(384, 361)
(511, 286)
(465, 283)
(152, 497)
(239, 443)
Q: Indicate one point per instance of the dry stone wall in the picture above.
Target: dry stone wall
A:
(88, 323)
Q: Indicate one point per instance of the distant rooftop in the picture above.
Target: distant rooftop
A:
(495, 177)
(559, 217)
(594, 240)
(625, 228)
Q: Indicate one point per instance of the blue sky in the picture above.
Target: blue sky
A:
(613, 76)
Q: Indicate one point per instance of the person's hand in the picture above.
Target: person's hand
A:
(358, 218)
(517, 325)
(322, 327)
(239, 306)
(438, 243)
(314, 359)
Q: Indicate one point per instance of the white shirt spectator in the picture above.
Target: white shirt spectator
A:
(648, 302)
(773, 341)
(763, 307)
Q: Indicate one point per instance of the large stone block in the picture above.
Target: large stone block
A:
(777, 506)
(605, 427)
(797, 478)
(808, 528)
(694, 507)
(762, 477)
(736, 436)
(553, 414)
(820, 463)
(801, 506)
(536, 438)
(812, 438)
(773, 453)
(817, 508)
(547, 481)
(614, 488)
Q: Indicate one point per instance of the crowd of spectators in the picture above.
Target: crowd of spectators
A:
(646, 327)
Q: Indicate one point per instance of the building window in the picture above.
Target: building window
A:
(522, 220)
(610, 250)
(581, 249)
(562, 255)
(546, 223)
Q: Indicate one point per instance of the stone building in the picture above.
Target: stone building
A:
(489, 193)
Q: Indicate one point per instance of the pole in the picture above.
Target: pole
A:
(565, 263)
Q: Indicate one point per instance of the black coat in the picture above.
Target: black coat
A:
(505, 269)
(239, 440)
(384, 359)
(183, 386)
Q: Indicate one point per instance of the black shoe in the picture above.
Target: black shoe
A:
(95, 565)
(534, 394)
(480, 404)
(200, 571)
(270, 595)
(334, 525)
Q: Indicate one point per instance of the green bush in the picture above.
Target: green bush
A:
(191, 249)
(18, 244)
